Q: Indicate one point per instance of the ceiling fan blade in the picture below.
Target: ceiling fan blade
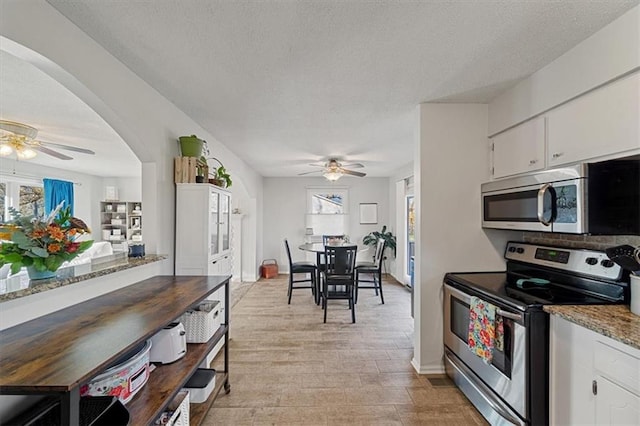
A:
(51, 152)
(353, 165)
(68, 147)
(352, 173)
(309, 173)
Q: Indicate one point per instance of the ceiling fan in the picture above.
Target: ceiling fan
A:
(333, 170)
(21, 139)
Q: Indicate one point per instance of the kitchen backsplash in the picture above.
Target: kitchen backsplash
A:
(595, 242)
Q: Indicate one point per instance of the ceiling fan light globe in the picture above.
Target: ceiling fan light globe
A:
(26, 153)
(5, 150)
(332, 175)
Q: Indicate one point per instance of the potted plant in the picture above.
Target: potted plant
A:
(191, 146)
(42, 244)
(220, 177)
(371, 239)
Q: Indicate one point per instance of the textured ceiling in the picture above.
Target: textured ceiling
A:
(284, 83)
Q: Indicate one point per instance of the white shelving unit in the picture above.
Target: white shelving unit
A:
(121, 222)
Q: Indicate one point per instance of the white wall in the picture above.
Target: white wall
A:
(611, 52)
(146, 121)
(451, 163)
(129, 189)
(285, 206)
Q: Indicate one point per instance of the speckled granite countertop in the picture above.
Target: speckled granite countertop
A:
(71, 276)
(614, 321)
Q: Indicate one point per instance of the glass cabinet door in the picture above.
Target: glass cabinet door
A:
(225, 221)
(214, 222)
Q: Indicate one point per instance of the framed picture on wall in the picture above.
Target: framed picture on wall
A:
(368, 213)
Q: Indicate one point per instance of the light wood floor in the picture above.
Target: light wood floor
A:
(287, 367)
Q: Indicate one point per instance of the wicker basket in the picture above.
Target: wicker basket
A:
(202, 322)
(178, 409)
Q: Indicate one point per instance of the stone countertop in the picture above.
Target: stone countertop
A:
(73, 276)
(614, 321)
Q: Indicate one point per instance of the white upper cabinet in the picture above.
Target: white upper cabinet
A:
(603, 122)
(519, 150)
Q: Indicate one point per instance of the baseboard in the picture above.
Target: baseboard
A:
(427, 369)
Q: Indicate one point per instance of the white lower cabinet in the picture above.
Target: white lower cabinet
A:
(594, 380)
(615, 405)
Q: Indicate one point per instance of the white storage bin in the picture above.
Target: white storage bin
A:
(202, 322)
(200, 385)
(180, 408)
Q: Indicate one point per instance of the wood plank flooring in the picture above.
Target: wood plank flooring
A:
(288, 368)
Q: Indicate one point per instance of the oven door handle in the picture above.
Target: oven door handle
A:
(505, 314)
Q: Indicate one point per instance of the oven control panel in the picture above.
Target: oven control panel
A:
(580, 261)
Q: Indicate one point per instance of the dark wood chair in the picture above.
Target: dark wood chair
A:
(373, 270)
(300, 268)
(338, 278)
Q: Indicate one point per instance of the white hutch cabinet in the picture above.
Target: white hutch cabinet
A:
(203, 230)
(203, 234)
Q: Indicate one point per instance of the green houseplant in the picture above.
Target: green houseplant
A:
(42, 244)
(220, 177)
(371, 239)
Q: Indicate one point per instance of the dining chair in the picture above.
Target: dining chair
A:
(327, 239)
(373, 270)
(338, 278)
(300, 268)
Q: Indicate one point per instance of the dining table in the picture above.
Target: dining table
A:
(318, 249)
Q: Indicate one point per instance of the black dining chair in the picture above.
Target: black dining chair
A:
(300, 268)
(338, 278)
(328, 239)
(373, 270)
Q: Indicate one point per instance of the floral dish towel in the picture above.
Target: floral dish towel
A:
(485, 329)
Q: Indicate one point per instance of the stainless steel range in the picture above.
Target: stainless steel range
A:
(513, 387)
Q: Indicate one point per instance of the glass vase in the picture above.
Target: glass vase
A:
(40, 275)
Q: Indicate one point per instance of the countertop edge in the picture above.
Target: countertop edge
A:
(54, 283)
(614, 321)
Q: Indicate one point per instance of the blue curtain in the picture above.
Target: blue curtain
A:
(55, 191)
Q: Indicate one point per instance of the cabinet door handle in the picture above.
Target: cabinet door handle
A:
(532, 162)
(594, 387)
(558, 154)
(214, 262)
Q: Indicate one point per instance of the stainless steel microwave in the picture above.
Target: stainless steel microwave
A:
(589, 198)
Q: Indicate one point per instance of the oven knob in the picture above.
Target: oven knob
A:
(512, 249)
(520, 250)
(591, 260)
(607, 263)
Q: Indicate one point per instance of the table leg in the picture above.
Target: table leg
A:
(318, 286)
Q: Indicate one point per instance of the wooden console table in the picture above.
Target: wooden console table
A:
(57, 353)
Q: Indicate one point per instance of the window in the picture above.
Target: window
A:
(327, 203)
(411, 232)
(3, 203)
(327, 210)
(31, 200)
(26, 196)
